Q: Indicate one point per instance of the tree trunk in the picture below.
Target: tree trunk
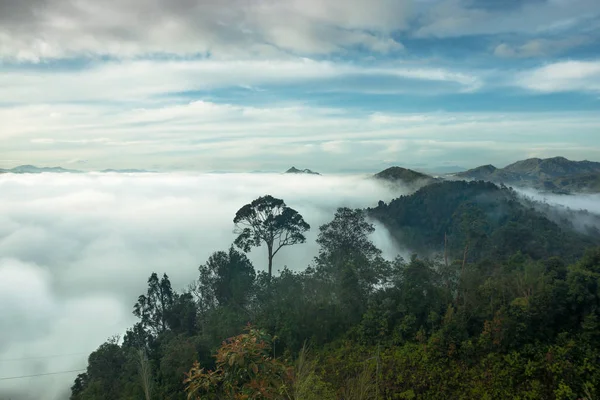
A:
(270, 249)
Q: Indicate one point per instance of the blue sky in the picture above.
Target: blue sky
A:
(329, 85)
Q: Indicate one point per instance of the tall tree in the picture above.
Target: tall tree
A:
(345, 242)
(349, 259)
(269, 220)
(226, 279)
(153, 308)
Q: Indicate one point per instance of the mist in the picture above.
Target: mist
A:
(580, 211)
(76, 251)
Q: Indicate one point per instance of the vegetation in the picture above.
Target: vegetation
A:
(269, 220)
(478, 221)
(522, 325)
(552, 174)
(404, 176)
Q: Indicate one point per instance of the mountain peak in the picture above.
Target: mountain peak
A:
(403, 175)
(295, 170)
(479, 173)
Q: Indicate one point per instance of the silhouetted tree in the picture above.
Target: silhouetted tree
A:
(269, 220)
(154, 307)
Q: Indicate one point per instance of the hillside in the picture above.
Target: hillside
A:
(516, 318)
(579, 183)
(404, 176)
(493, 221)
(556, 174)
(479, 173)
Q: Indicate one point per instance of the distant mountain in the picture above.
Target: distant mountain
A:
(404, 176)
(31, 169)
(551, 174)
(295, 170)
(479, 173)
(491, 222)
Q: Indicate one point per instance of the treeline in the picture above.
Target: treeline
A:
(354, 325)
(493, 221)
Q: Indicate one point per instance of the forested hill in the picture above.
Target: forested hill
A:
(403, 177)
(487, 220)
(555, 174)
(356, 326)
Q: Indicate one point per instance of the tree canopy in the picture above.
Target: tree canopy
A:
(269, 220)
(525, 325)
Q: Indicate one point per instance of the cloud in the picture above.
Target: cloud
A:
(455, 18)
(144, 80)
(46, 29)
(538, 47)
(561, 204)
(565, 76)
(44, 331)
(76, 251)
(39, 30)
(202, 135)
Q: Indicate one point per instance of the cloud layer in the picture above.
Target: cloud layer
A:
(169, 84)
(76, 251)
(45, 29)
(204, 135)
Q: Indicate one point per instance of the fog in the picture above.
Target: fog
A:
(581, 210)
(76, 251)
(578, 201)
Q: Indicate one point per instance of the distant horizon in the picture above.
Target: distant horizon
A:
(369, 169)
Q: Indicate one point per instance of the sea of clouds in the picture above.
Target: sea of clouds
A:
(76, 251)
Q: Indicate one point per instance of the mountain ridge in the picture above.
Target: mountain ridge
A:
(556, 174)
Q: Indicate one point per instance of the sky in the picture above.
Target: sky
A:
(335, 86)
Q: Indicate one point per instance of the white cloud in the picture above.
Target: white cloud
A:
(38, 321)
(39, 30)
(202, 135)
(140, 80)
(76, 251)
(565, 76)
(537, 47)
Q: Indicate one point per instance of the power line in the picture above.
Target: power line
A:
(40, 357)
(32, 376)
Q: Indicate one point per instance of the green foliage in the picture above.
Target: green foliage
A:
(226, 280)
(307, 383)
(490, 221)
(244, 370)
(522, 325)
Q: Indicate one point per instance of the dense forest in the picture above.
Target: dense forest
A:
(497, 302)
